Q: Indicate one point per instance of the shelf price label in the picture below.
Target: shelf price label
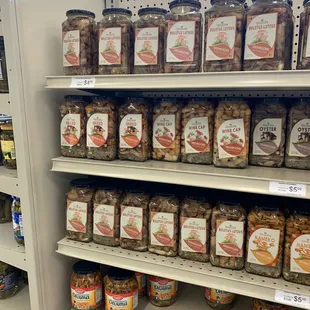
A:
(295, 300)
(287, 189)
(83, 82)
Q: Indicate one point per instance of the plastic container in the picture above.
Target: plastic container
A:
(8, 281)
(4, 84)
(259, 304)
(183, 48)
(218, 299)
(5, 208)
(141, 279)
(149, 32)
(8, 146)
(17, 219)
(301, 35)
(304, 32)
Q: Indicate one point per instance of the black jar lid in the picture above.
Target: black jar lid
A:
(117, 11)
(83, 12)
(85, 267)
(305, 1)
(152, 10)
(175, 3)
(76, 98)
(82, 183)
(119, 274)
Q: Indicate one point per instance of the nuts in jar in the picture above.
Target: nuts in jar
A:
(141, 278)
(218, 299)
(259, 304)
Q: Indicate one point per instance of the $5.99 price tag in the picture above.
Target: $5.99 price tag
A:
(296, 300)
(83, 82)
(287, 189)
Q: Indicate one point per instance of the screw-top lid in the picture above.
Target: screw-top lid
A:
(83, 12)
(15, 198)
(76, 98)
(119, 274)
(116, 11)
(305, 1)
(82, 183)
(152, 10)
(213, 1)
(85, 267)
(194, 3)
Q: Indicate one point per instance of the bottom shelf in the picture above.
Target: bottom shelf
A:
(21, 301)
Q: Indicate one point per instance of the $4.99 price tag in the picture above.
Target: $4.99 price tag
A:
(83, 82)
(296, 300)
(287, 189)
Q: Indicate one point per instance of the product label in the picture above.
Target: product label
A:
(70, 129)
(264, 246)
(193, 234)
(231, 138)
(261, 36)
(300, 138)
(180, 41)
(86, 298)
(162, 229)
(161, 290)
(146, 46)
(308, 42)
(267, 136)
(164, 132)
(300, 254)
(18, 227)
(141, 279)
(104, 220)
(121, 301)
(130, 131)
(196, 134)
(76, 216)
(221, 38)
(219, 297)
(131, 222)
(71, 48)
(7, 282)
(8, 150)
(110, 46)
(97, 130)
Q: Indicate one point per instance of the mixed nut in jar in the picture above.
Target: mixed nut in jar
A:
(259, 304)
(141, 278)
(304, 32)
(8, 281)
(17, 220)
(8, 146)
(218, 299)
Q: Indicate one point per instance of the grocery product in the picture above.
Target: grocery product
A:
(115, 35)
(79, 42)
(163, 224)
(73, 126)
(183, 37)
(227, 235)
(268, 133)
(259, 304)
(161, 292)
(8, 146)
(218, 299)
(121, 290)
(79, 215)
(265, 241)
(224, 31)
(197, 132)
(17, 219)
(301, 35)
(141, 279)
(149, 32)
(5, 208)
(86, 286)
(4, 84)
(298, 135)
(195, 215)
(134, 221)
(8, 281)
(101, 129)
(167, 130)
(134, 130)
(304, 32)
(107, 216)
(231, 136)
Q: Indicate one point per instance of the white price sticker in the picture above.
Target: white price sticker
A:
(296, 300)
(83, 82)
(287, 189)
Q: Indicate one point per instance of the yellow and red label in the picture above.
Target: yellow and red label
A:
(86, 298)
(121, 301)
(161, 290)
(218, 296)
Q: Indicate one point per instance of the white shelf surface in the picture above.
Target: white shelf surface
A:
(252, 179)
(9, 181)
(21, 301)
(5, 104)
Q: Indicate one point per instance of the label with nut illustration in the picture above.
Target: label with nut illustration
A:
(97, 130)
(110, 46)
(261, 36)
(229, 238)
(219, 297)
(267, 136)
(231, 138)
(130, 131)
(146, 46)
(70, 129)
(131, 222)
(127, 301)
(193, 234)
(71, 48)
(162, 229)
(221, 38)
(76, 216)
(264, 247)
(180, 41)
(161, 290)
(103, 220)
(164, 132)
(196, 134)
(87, 297)
(300, 254)
(300, 139)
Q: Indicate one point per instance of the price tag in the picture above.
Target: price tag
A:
(83, 82)
(287, 189)
(296, 300)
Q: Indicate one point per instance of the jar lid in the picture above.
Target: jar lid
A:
(76, 98)
(116, 10)
(305, 1)
(175, 3)
(101, 98)
(82, 183)
(290, 3)
(240, 1)
(85, 267)
(153, 10)
(120, 274)
(16, 198)
(77, 11)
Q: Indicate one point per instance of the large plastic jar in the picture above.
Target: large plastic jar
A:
(305, 47)
(5, 208)
(17, 219)
(218, 299)
(183, 37)
(301, 34)
(224, 31)
(115, 35)
(268, 39)
(8, 282)
(4, 84)
(259, 304)
(79, 42)
(8, 146)
(149, 41)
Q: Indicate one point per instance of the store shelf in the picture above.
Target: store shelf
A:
(5, 104)
(9, 181)
(21, 301)
(252, 179)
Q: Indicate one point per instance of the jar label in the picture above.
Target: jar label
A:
(131, 222)
(164, 132)
(86, 298)
(300, 139)
(267, 136)
(104, 220)
(7, 282)
(196, 134)
(300, 254)
(121, 301)
(97, 130)
(231, 138)
(229, 238)
(261, 36)
(76, 216)
(162, 229)
(219, 297)
(193, 234)
(221, 38)
(180, 41)
(8, 150)
(70, 129)
(71, 48)
(146, 46)
(130, 131)
(263, 246)
(141, 279)
(308, 41)
(110, 46)
(161, 290)
(17, 220)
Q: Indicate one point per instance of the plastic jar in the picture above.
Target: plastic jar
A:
(183, 37)
(115, 35)
(302, 62)
(259, 304)
(86, 286)
(80, 210)
(141, 278)
(224, 32)
(149, 41)
(4, 84)
(17, 219)
(8, 281)
(8, 146)
(121, 290)
(218, 299)
(5, 208)
(79, 42)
